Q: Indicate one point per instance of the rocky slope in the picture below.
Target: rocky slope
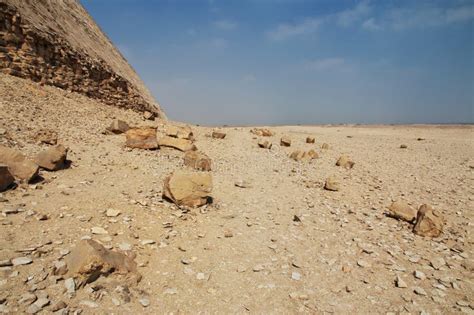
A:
(57, 43)
(273, 240)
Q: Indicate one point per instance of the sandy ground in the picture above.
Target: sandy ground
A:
(343, 256)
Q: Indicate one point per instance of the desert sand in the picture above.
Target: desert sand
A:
(280, 243)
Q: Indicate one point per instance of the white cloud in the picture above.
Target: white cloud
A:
(351, 16)
(285, 31)
(371, 25)
(326, 64)
(226, 25)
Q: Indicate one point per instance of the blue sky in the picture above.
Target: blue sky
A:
(247, 62)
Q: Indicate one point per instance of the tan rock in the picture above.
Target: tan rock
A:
(429, 222)
(189, 189)
(331, 184)
(345, 162)
(177, 143)
(47, 136)
(118, 126)
(218, 135)
(53, 158)
(311, 154)
(6, 178)
(20, 167)
(141, 138)
(179, 132)
(402, 211)
(89, 260)
(148, 115)
(264, 144)
(297, 155)
(325, 146)
(262, 132)
(197, 160)
(285, 141)
(403, 146)
(310, 139)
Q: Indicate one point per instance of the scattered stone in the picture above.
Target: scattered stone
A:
(147, 242)
(58, 306)
(228, 233)
(179, 132)
(118, 126)
(59, 268)
(177, 143)
(125, 246)
(6, 178)
(188, 188)
(299, 155)
(345, 162)
(113, 213)
(285, 142)
(47, 136)
(325, 146)
(148, 115)
(419, 275)
(295, 276)
(70, 285)
(200, 276)
(42, 302)
(264, 144)
(400, 283)
(242, 184)
(437, 263)
(419, 291)
(88, 303)
(99, 230)
(19, 166)
(144, 302)
(218, 135)
(6, 263)
(403, 146)
(363, 264)
(89, 260)
(400, 210)
(27, 299)
(258, 268)
(310, 140)
(262, 132)
(21, 261)
(141, 138)
(429, 222)
(53, 158)
(331, 184)
(197, 160)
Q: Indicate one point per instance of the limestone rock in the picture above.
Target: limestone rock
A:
(6, 178)
(402, 211)
(197, 160)
(20, 167)
(331, 184)
(299, 155)
(325, 146)
(190, 189)
(53, 158)
(285, 141)
(89, 260)
(310, 139)
(177, 143)
(218, 135)
(141, 138)
(264, 144)
(47, 136)
(345, 162)
(118, 126)
(429, 222)
(179, 132)
(262, 132)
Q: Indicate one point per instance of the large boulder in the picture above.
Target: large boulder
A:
(285, 142)
(190, 189)
(47, 136)
(264, 144)
(345, 162)
(53, 158)
(20, 167)
(263, 132)
(141, 138)
(177, 143)
(89, 260)
(218, 135)
(400, 210)
(179, 132)
(197, 160)
(118, 126)
(6, 178)
(429, 222)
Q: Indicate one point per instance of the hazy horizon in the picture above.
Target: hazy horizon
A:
(281, 62)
